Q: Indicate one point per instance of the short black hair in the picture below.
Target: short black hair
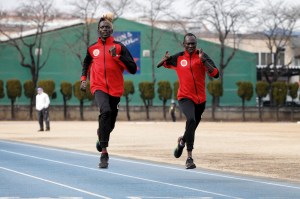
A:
(189, 34)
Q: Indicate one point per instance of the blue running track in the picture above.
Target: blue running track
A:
(31, 171)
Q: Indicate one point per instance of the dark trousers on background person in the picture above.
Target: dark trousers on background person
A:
(108, 106)
(193, 113)
(173, 115)
(43, 115)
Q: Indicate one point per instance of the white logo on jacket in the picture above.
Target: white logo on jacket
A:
(183, 63)
(96, 52)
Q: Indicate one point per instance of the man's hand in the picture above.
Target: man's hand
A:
(201, 55)
(208, 66)
(112, 51)
(165, 58)
(83, 86)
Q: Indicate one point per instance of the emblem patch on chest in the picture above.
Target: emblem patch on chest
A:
(183, 63)
(96, 52)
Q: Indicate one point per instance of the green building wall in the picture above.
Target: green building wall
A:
(63, 65)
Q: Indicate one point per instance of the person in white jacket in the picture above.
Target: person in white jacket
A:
(42, 103)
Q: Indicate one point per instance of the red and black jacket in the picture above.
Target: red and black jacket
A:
(191, 74)
(105, 71)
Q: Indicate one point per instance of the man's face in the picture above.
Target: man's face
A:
(39, 91)
(105, 29)
(190, 44)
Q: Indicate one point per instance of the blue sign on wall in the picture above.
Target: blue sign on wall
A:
(132, 41)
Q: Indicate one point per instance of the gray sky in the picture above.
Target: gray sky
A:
(64, 5)
(10, 4)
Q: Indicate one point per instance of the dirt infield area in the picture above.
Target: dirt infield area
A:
(260, 149)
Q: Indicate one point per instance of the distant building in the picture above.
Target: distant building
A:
(16, 23)
(63, 65)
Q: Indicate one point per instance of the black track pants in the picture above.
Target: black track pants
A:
(193, 113)
(108, 106)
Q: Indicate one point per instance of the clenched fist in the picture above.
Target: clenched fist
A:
(112, 51)
(165, 58)
(83, 86)
(201, 55)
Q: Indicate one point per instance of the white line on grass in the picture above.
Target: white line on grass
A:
(120, 174)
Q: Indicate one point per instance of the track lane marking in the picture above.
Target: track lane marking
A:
(120, 174)
(56, 183)
(159, 166)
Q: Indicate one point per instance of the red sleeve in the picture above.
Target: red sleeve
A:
(215, 73)
(169, 66)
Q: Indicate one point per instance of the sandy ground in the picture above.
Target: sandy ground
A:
(259, 149)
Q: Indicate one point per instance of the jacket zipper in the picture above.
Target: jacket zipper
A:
(105, 68)
(194, 78)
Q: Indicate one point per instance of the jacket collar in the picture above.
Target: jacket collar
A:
(186, 53)
(108, 40)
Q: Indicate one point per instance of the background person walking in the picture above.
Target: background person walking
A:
(172, 110)
(42, 103)
(191, 67)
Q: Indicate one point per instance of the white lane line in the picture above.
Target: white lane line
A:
(159, 166)
(56, 183)
(120, 174)
(62, 197)
(209, 174)
(149, 197)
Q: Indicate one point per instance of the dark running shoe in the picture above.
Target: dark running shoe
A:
(104, 161)
(178, 150)
(189, 164)
(98, 146)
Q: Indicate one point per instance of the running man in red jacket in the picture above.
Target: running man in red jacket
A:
(191, 67)
(105, 62)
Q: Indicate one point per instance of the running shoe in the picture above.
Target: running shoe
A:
(178, 150)
(189, 164)
(104, 160)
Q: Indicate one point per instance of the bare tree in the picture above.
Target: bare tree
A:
(153, 11)
(88, 11)
(278, 21)
(224, 18)
(117, 8)
(36, 13)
